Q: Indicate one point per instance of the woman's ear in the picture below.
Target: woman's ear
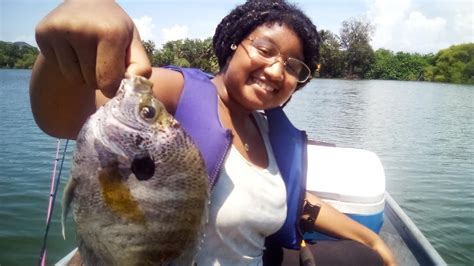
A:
(224, 68)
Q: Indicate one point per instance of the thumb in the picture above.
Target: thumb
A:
(137, 60)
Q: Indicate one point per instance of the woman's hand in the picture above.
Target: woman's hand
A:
(384, 252)
(86, 48)
(94, 42)
(337, 224)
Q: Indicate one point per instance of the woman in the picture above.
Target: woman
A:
(266, 50)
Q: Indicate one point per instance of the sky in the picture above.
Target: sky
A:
(422, 26)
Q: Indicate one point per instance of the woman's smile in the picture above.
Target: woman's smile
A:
(261, 84)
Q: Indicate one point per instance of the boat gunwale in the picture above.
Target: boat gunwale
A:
(417, 243)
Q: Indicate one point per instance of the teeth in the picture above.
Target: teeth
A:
(265, 86)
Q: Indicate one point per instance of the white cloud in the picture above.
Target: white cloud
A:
(463, 25)
(175, 32)
(420, 32)
(145, 27)
(415, 26)
(388, 13)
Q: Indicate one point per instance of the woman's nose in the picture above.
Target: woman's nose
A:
(276, 70)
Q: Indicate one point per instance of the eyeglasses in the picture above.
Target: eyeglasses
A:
(266, 52)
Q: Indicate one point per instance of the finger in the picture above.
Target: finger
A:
(41, 37)
(86, 54)
(68, 62)
(137, 59)
(110, 64)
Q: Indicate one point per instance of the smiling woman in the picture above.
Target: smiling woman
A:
(266, 51)
(255, 82)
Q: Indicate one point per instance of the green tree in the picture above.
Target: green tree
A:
(412, 65)
(17, 55)
(332, 60)
(149, 49)
(187, 53)
(399, 66)
(383, 67)
(3, 58)
(26, 61)
(11, 53)
(454, 64)
(468, 73)
(163, 57)
(355, 36)
(199, 53)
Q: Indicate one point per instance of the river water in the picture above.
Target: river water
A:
(422, 132)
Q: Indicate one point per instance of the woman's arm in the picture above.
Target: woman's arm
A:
(335, 223)
(85, 45)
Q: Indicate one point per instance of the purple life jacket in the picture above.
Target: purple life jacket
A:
(197, 111)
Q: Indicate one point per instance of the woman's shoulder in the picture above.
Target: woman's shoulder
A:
(167, 86)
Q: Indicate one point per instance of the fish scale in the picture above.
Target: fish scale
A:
(138, 188)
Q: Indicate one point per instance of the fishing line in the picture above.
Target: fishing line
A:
(52, 197)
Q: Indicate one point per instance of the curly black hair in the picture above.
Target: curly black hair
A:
(245, 18)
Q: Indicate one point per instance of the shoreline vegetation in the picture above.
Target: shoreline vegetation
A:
(348, 55)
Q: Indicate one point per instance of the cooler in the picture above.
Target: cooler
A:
(351, 180)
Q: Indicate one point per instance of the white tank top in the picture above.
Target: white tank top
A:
(248, 203)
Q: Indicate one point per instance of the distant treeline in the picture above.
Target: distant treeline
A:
(17, 55)
(348, 55)
(184, 53)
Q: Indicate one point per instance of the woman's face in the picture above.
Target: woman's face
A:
(256, 77)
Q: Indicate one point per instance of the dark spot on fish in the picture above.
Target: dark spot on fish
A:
(175, 125)
(143, 167)
(138, 140)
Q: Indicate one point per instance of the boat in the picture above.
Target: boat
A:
(353, 181)
(406, 241)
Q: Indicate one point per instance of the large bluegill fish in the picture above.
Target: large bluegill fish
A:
(138, 187)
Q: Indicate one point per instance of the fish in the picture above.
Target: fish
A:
(138, 187)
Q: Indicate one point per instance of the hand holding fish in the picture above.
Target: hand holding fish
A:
(94, 52)
(86, 46)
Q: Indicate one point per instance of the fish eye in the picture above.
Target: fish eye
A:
(148, 112)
